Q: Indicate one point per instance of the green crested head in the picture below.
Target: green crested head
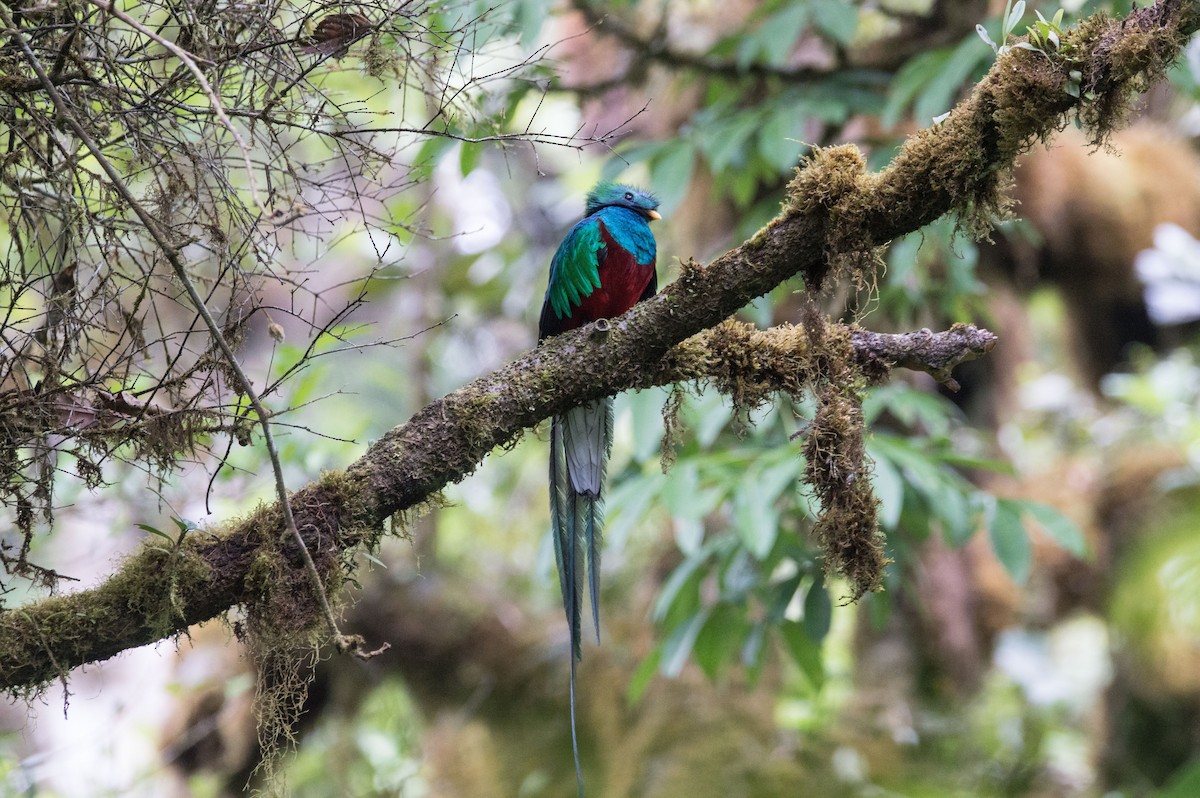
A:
(607, 194)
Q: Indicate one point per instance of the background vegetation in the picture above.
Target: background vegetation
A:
(371, 222)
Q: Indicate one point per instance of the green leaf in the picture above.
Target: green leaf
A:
(712, 411)
(804, 652)
(738, 577)
(1010, 541)
(646, 414)
(776, 38)
(939, 93)
(987, 39)
(679, 490)
(837, 19)
(888, 488)
(752, 652)
(951, 506)
(722, 140)
(778, 138)
(158, 532)
(818, 611)
(1184, 783)
(912, 77)
(977, 463)
(628, 503)
(755, 515)
(679, 643)
(777, 477)
(719, 640)
(1013, 16)
(528, 18)
(913, 408)
(748, 49)
(689, 534)
(744, 182)
(428, 155)
(684, 497)
(917, 468)
(781, 597)
(682, 586)
(1061, 529)
(642, 677)
(671, 174)
(468, 157)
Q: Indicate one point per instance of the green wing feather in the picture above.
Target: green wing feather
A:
(575, 270)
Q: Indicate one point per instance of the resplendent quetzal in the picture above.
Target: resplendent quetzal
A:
(603, 267)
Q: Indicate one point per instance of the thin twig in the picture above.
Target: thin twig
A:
(190, 61)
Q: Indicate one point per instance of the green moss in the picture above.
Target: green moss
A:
(403, 521)
(824, 178)
(837, 470)
(260, 577)
(672, 428)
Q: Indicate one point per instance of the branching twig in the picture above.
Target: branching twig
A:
(190, 61)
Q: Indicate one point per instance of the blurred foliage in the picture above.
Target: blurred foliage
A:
(373, 753)
(464, 255)
(748, 583)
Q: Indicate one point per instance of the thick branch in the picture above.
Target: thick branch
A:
(835, 213)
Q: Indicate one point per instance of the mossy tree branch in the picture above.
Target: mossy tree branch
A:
(835, 218)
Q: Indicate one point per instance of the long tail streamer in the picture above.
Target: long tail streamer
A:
(580, 441)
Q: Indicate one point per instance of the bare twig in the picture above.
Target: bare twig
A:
(191, 62)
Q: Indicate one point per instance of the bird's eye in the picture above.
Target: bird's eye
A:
(629, 196)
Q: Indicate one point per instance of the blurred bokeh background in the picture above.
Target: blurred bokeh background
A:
(1039, 634)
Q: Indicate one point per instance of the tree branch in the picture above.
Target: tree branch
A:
(835, 217)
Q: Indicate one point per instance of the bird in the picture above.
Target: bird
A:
(604, 266)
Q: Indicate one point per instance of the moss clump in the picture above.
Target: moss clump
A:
(285, 623)
(836, 466)
(824, 178)
(751, 367)
(1128, 57)
(281, 633)
(826, 189)
(403, 521)
(757, 364)
(837, 470)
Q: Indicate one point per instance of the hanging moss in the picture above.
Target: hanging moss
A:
(836, 469)
(672, 428)
(836, 466)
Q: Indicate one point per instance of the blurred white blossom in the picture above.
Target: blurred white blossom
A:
(1170, 272)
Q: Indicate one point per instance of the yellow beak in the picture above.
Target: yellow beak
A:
(654, 215)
